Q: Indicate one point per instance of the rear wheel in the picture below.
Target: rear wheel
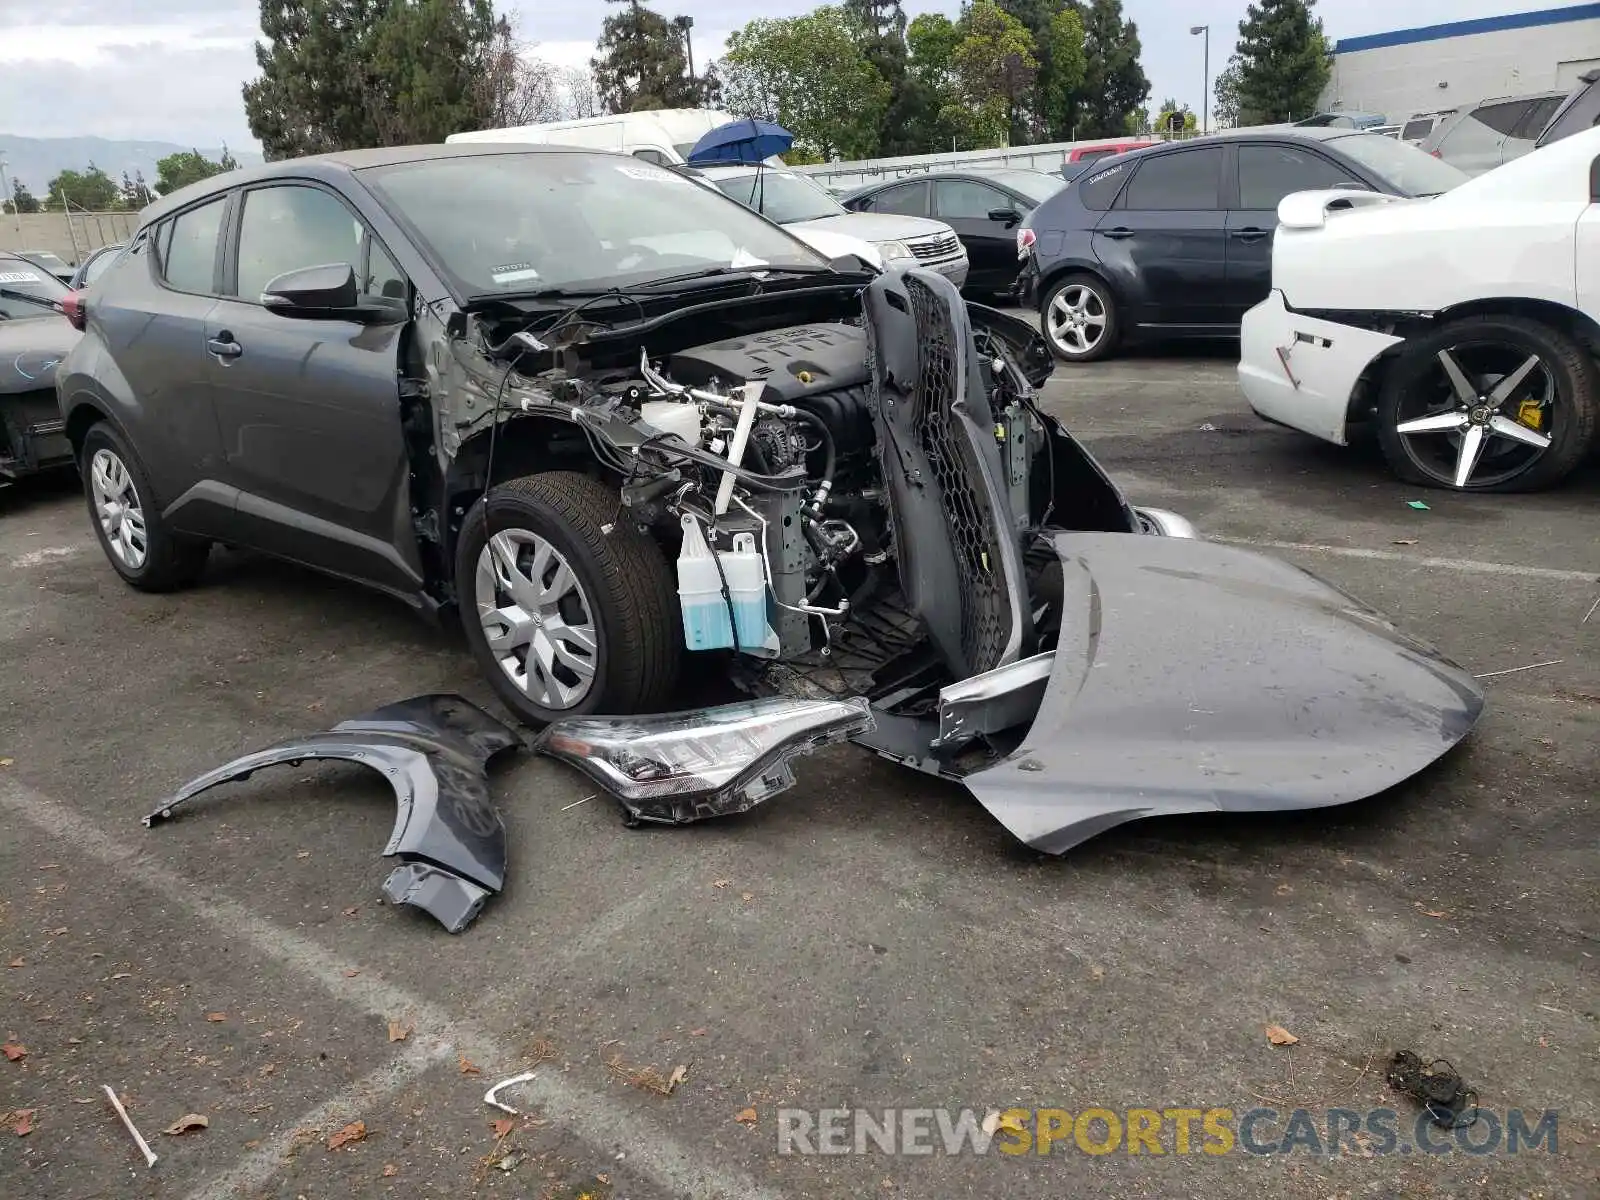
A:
(568, 608)
(1489, 404)
(137, 541)
(1079, 318)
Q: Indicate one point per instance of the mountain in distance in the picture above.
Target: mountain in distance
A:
(36, 161)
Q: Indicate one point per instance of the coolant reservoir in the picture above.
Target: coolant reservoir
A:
(673, 416)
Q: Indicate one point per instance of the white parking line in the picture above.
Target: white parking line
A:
(1472, 566)
(438, 1032)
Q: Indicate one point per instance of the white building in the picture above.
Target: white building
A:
(1459, 63)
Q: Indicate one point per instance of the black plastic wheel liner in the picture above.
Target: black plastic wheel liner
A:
(434, 752)
(956, 544)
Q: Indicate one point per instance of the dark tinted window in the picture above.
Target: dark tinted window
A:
(1099, 191)
(1415, 130)
(1503, 117)
(961, 198)
(1269, 173)
(909, 199)
(1580, 111)
(1091, 155)
(189, 247)
(654, 156)
(1185, 180)
(1536, 118)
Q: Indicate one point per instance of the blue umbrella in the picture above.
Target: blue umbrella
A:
(748, 141)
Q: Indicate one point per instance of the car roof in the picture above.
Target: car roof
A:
(978, 174)
(339, 163)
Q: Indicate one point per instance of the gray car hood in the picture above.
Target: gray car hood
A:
(30, 349)
(1192, 677)
(878, 227)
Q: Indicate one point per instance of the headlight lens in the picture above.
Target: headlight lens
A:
(893, 250)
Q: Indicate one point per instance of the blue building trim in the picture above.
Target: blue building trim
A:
(1434, 33)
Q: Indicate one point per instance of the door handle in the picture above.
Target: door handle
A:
(1120, 232)
(223, 345)
(1250, 233)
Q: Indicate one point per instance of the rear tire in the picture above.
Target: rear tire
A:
(1078, 317)
(137, 541)
(619, 595)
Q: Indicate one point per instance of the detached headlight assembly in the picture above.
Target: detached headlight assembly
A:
(894, 250)
(707, 762)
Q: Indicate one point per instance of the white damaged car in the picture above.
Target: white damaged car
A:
(1463, 329)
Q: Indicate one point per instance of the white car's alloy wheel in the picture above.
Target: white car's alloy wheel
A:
(1076, 320)
(117, 506)
(1485, 415)
(536, 618)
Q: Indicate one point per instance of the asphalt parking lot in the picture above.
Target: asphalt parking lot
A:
(869, 939)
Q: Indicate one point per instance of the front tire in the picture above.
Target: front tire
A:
(1489, 404)
(1079, 319)
(136, 539)
(569, 609)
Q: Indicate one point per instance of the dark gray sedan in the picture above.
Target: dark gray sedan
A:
(34, 335)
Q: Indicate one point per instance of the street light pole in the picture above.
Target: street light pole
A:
(1205, 77)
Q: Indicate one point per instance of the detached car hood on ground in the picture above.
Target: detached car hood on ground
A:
(1193, 677)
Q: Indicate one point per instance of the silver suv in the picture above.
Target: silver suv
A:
(792, 199)
(1493, 131)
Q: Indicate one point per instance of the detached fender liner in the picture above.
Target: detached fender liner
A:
(434, 751)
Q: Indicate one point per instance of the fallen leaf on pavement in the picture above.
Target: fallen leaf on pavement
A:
(399, 1031)
(352, 910)
(390, 1170)
(994, 1121)
(679, 1074)
(1279, 1036)
(1285, 889)
(720, 883)
(1405, 541)
(468, 1068)
(352, 1132)
(17, 962)
(747, 896)
(1097, 973)
(15, 1051)
(745, 1116)
(1436, 915)
(502, 1127)
(303, 854)
(6, 762)
(216, 1016)
(123, 975)
(187, 1123)
(22, 1121)
(57, 932)
(351, 974)
(697, 1032)
(602, 1177)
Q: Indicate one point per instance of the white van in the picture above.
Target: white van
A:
(664, 136)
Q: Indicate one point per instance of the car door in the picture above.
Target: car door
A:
(967, 205)
(1265, 173)
(1164, 241)
(309, 409)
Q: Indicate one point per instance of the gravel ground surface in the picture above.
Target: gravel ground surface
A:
(870, 939)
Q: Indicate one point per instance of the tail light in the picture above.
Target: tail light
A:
(73, 305)
(1436, 154)
(1025, 240)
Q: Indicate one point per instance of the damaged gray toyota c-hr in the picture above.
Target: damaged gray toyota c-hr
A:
(622, 424)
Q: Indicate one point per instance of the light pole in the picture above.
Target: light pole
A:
(1205, 77)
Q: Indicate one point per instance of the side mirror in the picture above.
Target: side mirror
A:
(327, 292)
(1006, 216)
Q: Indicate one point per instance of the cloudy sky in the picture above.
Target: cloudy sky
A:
(171, 69)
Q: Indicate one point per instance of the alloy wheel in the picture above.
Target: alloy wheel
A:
(1076, 319)
(1483, 414)
(536, 618)
(117, 507)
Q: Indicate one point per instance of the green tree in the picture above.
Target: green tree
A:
(1062, 69)
(995, 67)
(810, 75)
(90, 189)
(338, 74)
(1283, 60)
(136, 192)
(186, 167)
(1227, 109)
(931, 41)
(640, 63)
(1114, 84)
(1164, 114)
(22, 200)
(880, 29)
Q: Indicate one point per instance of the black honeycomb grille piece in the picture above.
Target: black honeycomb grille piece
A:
(985, 599)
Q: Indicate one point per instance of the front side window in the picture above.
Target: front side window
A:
(1269, 173)
(780, 196)
(290, 227)
(907, 200)
(189, 248)
(961, 199)
(513, 221)
(1186, 180)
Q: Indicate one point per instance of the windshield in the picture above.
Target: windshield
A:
(780, 196)
(20, 275)
(1034, 186)
(1402, 166)
(50, 262)
(518, 222)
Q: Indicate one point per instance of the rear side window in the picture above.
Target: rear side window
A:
(1186, 180)
(1581, 112)
(1536, 118)
(189, 248)
(1269, 173)
(909, 200)
(1502, 118)
(1416, 130)
(1099, 191)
